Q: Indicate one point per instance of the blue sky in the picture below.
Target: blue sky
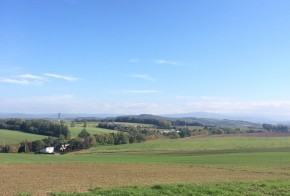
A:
(153, 56)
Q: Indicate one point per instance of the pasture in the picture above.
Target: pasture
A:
(221, 165)
(203, 143)
(91, 128)
(15, 137)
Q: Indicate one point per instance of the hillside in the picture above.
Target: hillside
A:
(203, 121)
(15, 137)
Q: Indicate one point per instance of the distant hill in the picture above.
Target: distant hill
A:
(54, 116)
(222, 122)
(204, 121)
(203, 118)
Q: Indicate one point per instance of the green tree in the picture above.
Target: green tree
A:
(37, 145)
(90, 141)
(72, 124)
(24, 148)
(83, 133)
(140, 137)
(121, 138)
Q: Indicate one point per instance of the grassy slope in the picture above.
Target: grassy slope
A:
(258, 161)
(91, 128)
(200, 144)
(244, 152)
(15, 137)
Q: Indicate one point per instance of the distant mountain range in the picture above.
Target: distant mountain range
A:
(221, 116)
(201, 117)
(204, 121)
(55, 116)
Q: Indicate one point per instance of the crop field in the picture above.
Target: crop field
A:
(259, 167)
(91, 128)
(15, 137)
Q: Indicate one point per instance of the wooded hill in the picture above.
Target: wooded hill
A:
(188, 121)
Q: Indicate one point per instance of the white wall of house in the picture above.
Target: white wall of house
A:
(47, 150)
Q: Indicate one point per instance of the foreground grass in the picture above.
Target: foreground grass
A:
(254, 188)
(15, 137)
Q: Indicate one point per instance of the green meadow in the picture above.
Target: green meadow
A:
(249, 160)
(91, 128)
(230, 189)
(209, 143)
(226, 152)
(15, 137)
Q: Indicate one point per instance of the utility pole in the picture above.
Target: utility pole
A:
(59, 123)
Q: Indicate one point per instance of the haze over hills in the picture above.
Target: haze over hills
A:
(198, 115)
(55, 115)
(210, 119)
(256, 119)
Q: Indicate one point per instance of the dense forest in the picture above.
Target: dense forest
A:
(161, 123)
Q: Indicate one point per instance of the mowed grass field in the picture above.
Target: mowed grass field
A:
(208, 143)
(15, 137)
(91, 128)
(221, 167)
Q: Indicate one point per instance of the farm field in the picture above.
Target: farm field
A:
(215, 167)
(91, 128)
(15, 137)
(207, 143)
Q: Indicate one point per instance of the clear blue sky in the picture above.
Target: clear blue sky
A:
(147, 56)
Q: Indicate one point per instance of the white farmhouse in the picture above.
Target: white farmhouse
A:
(47, 150)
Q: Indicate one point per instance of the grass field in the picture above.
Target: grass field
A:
(217, 164)
(15, 137)
(91, 128)
(258, 188)
(209, 143)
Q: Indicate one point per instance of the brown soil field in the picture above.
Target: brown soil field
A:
(44, 179)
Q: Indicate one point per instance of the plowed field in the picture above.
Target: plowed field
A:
(46, 178)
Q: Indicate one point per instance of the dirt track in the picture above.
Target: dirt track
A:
(43, 179)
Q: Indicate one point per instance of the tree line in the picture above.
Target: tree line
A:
(276, 128)
(159, 123)
(37, 126)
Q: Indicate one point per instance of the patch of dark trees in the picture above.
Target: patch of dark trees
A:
(276, 128)
(86, 140)
(83, 141)
(36, 126)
